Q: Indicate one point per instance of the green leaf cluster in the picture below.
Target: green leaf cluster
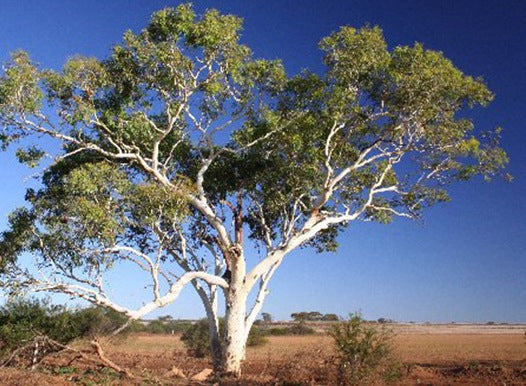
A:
(20, 85)
(275, 138)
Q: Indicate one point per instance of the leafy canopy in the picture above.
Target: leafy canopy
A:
(180, 131)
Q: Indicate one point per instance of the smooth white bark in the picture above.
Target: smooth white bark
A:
(236, 303)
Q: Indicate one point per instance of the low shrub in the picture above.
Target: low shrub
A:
(21, 320)
(256, 337)
(299, 328)
(165, 326)
(95, 321)
(197, 340)
(364, 352)
(278, 331)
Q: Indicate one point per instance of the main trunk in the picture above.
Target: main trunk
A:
(234, 343)
(235, 337)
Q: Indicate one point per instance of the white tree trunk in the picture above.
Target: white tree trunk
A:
(235, 336)
(213, 323)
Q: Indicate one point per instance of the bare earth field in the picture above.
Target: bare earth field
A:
(431, 354)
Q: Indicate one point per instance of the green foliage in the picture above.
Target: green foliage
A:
(14, 241)
(304, 316)
(181, 126)
(278, 331)
(115, 110)
(156, 327)
(21, 320)
(385, 320)
(30, 156)
(149, 202)
(97, 321)
(364, 352)
(298, 328)
(313, 316)
(197, 339)
(361, 68)
(256, 337)
(266, 317)
(93, 204)
(162, 325)
(330, 318)
(63, 370)
(19, 87)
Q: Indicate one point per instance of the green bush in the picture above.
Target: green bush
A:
(299, 328)
(256, 337)
(278, 331)
(94, 321)
(364, 352)
(156, 327)
(164, 325)
(197, 339)
(23, 319)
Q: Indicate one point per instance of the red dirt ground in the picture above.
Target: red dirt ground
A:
(430, 357)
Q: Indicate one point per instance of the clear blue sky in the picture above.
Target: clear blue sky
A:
(465, 262)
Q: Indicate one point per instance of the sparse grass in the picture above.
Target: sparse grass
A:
(446, 348)
(284, 347)
(149, 343)
(152, 354)
(413, 348)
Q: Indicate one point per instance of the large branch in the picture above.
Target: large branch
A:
(260, 297)
(176, 288)
(318, 222)
(99, 298)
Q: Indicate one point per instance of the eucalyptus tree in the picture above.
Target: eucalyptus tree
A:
(180, 151)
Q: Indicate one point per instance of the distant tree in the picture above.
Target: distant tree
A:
(151, 154)
(314, 316)
(299, 316)
(310, 316)
(330, 318)
(267, 318)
